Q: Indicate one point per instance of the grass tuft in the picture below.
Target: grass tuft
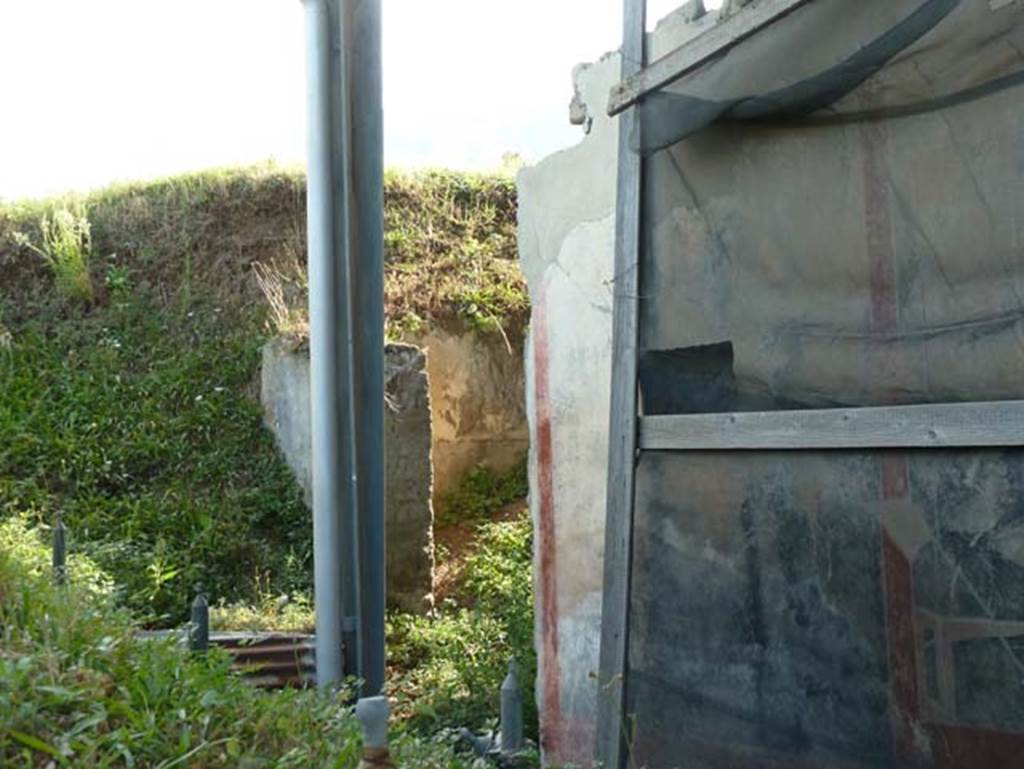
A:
(66, 248)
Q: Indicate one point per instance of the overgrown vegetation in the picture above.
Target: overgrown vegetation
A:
(131, 408)
(135, 413)
(138, 427)
(447, 669)
(450, 242)
(481, 492)
(281, 613)
(79, 689)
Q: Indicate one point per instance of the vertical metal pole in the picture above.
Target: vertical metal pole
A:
(60, 551)
(361, 30)
(348, 322)
(346, 278)
(329, 356)
(614, 724)
(511, 711)
(200, 635)
(373, 713)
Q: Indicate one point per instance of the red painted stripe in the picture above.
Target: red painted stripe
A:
(899, 617)
(895, 476)
(551, 708)
(898, 572)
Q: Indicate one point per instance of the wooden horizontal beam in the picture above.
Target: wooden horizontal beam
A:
(700, 50)
(945, 425)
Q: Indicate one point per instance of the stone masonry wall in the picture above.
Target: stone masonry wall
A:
(409, 522)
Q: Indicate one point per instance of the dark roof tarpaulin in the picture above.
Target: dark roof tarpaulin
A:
(910, 56)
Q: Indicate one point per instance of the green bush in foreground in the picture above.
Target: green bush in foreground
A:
(78, 689)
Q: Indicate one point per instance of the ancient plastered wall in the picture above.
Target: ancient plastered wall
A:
(566, 243)
(567, 248)
(914, 209)
(476, 400)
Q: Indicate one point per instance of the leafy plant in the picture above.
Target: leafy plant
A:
(447, 670)
(480, 492)
(149, 443)
(117, 279)
(67, 249)
(283, 613)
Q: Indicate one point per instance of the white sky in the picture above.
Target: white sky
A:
(99, 90)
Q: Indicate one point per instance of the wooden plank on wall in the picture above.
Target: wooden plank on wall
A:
(945, 425)
(611, 747)
(699, 51)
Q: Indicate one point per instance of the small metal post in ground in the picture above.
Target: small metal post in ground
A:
(511, 738)
(60, 551)
(200, 631)
(372, 713)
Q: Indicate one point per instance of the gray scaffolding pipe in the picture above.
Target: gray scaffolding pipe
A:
(345, 231)
(361, 29)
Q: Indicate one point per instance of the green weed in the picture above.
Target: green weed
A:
(66, 248)
(147, 441)
(447, 669)
(482, 491)
(283, 613)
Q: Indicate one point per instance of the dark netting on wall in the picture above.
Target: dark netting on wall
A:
(802, 256)
(833, 215)
(911, 56)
